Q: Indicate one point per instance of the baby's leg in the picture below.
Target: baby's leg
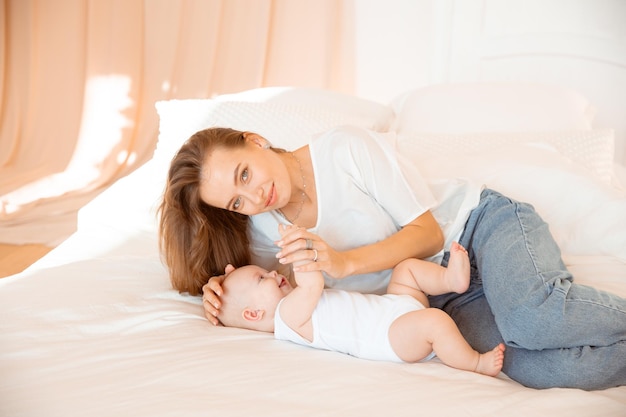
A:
(417, 277)
(414, 335)
(457, 274)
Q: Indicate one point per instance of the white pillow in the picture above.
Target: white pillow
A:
(592, 149)
(287, 117)
(491, 107)
(585, 215)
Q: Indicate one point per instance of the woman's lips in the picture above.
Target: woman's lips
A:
(271, 198)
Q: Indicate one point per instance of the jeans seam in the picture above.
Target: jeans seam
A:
(529, 249)
(595, 303)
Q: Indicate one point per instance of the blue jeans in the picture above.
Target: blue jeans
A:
(558, 333)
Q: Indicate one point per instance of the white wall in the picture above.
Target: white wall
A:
(394, 46)
(580, 44)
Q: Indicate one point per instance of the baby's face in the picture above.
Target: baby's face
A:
(260, 288)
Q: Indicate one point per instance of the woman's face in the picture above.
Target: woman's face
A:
(248, 180)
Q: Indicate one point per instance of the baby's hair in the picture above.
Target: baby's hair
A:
(232, 307)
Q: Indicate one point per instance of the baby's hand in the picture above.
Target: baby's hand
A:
(284, 229)
(301, 248)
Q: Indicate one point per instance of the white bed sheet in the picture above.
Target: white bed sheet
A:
(119, 341)
(95, 329)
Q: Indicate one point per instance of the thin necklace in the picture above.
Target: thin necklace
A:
(303, 193)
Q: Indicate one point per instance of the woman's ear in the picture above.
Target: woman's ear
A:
(258, 140)
(252, 315)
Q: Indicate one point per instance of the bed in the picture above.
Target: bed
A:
(94, 328)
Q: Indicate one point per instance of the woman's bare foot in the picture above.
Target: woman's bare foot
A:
(457, 274)
(490, 363)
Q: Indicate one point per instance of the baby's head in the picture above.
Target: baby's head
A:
(251, 296)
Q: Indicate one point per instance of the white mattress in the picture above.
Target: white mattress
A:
(95, 329)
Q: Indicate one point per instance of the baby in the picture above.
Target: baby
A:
(398, 326)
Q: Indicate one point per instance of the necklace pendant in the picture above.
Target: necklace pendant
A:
(303, 195)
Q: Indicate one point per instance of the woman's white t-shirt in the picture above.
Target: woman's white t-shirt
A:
(365, 193)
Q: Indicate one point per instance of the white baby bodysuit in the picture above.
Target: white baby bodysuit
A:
(353, 323)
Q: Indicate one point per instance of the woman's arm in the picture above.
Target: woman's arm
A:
(420, 238)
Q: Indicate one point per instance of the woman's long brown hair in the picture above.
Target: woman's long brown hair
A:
(197, 241)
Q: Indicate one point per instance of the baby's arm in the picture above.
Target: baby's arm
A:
(298, 306)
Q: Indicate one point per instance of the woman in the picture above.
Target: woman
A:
(362, 211)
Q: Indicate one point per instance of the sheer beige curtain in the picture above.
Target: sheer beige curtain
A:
(79, 79)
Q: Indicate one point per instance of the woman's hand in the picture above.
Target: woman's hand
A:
(298, 245)
(420, 238)
(211, 292)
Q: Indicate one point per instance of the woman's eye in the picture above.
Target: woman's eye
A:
(244, 179)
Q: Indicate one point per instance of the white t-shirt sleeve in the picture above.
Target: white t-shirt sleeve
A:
(397, 187)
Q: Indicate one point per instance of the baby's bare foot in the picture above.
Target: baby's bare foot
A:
(457, 274)
(490, 363)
